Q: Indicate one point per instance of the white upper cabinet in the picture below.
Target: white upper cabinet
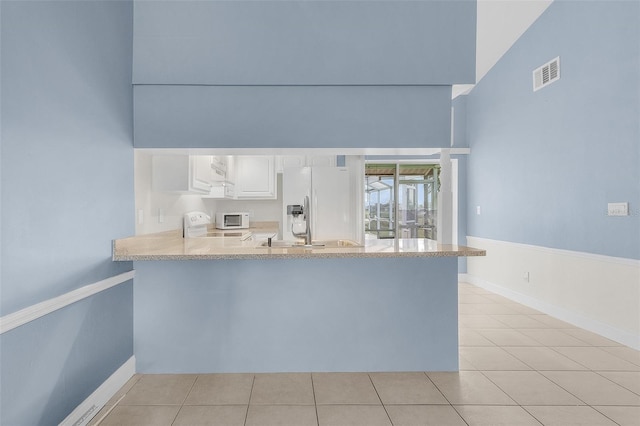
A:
(219, 162)
(286, 161)
(223, 177)
(321, 160)
(219, 168)
(182, 173)
(255, 177)
(202, 175)
(221, 190)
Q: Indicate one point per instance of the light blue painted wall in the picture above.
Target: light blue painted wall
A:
(315, 74)
(49, 366)
(305, 42)
(67, 191)
(544, 165)
(459, 112)
(292, 116)
(381, 314)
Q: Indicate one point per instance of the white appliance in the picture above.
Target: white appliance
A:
(232, 220)
(195, 224)
(333, 206)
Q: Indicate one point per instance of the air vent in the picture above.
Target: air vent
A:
(546, 74)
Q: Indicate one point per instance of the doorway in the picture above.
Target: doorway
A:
(401, 200)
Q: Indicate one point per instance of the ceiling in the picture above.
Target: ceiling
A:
(389, 169)
(499, 24)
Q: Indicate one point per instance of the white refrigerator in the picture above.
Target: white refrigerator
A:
(334, 205)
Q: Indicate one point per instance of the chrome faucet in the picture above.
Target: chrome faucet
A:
(306, 212)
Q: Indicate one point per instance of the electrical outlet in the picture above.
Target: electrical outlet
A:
(478, 210)
(618, 209)
(525, 276)
(140, 216)
(160, 216)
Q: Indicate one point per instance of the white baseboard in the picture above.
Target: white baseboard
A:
(94, 403)
(605, 330)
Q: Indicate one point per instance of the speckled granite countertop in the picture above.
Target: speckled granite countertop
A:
(171, 246)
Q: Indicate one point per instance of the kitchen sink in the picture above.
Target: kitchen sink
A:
(241, 236)
(316, 244)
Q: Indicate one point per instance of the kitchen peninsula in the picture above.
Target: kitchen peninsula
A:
(171, 246)
(205, 306)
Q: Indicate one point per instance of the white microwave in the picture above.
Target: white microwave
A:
(235, 220)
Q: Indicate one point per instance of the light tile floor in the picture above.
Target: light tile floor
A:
(517, 367)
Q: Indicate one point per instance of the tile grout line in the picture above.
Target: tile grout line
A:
(599, 373)
(531, 414)
(384, 407)
(553, 348)
(445, 398)
(595, 409)
(246, 414)
(185, 399)
(460, 415)
(315, 403)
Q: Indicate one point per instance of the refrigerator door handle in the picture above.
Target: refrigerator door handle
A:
(314, 209)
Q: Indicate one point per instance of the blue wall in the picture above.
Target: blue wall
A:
(459, 105)
(310, 74)
(292, 116)
(279, 315)
(67, 191)
(544, 165)
(50, 365)
(305, 42)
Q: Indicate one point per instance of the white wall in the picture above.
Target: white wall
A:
(595, 292)
(172, 206)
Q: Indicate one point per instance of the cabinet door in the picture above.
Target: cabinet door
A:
(231, 170)
(293, 161)
(221, 190)
(229, 191)
(219, 162)
(201, 172)
(255, 177)
(285, 161)
(321, 160)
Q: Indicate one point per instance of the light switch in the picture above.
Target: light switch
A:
(477, 210)
(618, 209)
(160, 216)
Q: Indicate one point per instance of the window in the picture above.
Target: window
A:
(410, 214)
